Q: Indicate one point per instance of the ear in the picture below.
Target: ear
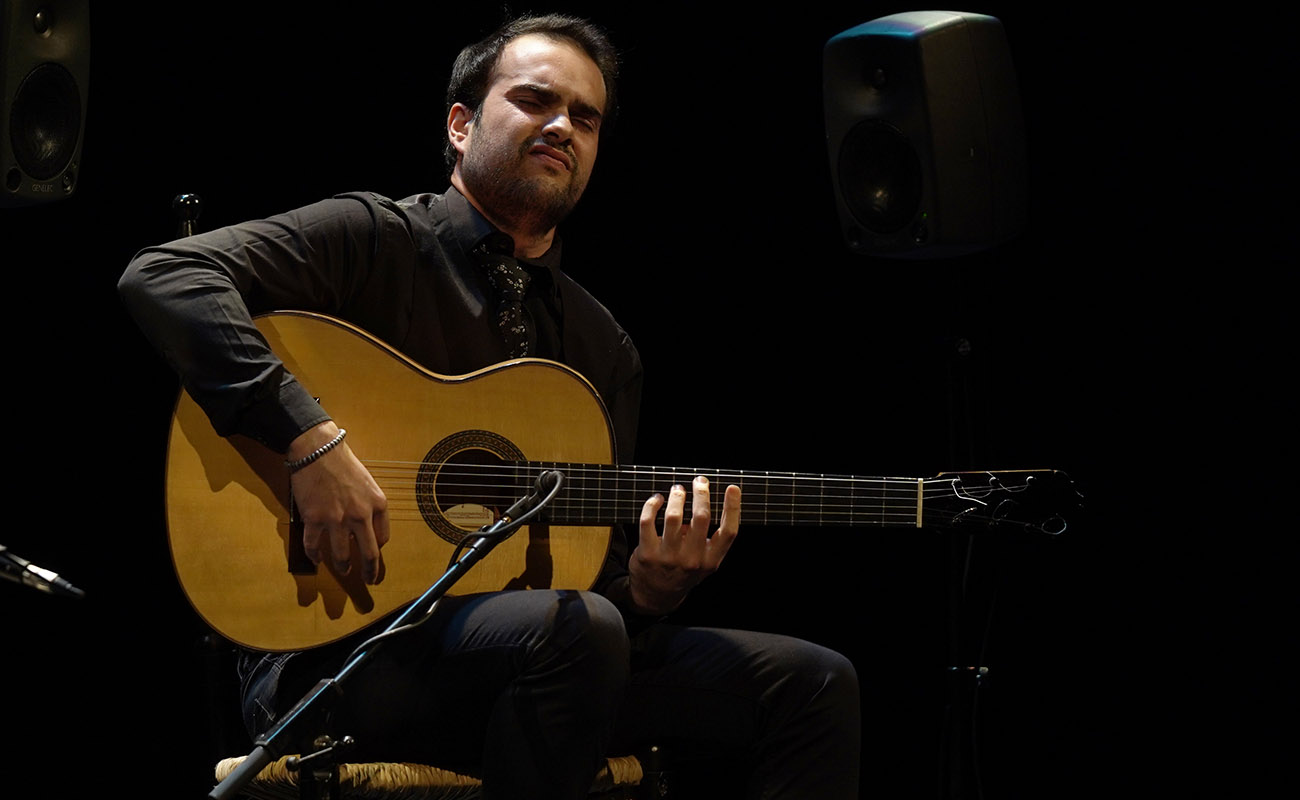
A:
(460, 121)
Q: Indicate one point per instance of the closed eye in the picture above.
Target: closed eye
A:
(533, 98)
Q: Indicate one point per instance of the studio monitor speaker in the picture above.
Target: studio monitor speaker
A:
(45, 55)
(925, 135)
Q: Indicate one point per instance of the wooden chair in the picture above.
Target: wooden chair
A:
(622, 778)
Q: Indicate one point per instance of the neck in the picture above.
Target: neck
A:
(528, 243)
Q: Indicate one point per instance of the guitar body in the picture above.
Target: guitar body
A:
(238, 555)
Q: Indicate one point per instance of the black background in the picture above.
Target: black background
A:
(1133, 336)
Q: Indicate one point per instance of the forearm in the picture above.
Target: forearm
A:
(197, 319)
(194, 300)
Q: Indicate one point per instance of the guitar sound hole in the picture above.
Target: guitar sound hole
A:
(466, 481)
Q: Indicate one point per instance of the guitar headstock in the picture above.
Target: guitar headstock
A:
(1039, 501)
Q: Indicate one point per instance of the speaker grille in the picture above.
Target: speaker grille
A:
(46, 121)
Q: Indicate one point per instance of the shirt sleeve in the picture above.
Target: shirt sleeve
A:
(195, 299)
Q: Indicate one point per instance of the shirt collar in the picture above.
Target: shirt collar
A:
(471, 228)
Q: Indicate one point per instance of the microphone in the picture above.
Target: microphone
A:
(547, 482)
(20, 570)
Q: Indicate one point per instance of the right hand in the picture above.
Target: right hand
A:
(338, 501)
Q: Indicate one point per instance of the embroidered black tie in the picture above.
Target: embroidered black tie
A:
(510, 282)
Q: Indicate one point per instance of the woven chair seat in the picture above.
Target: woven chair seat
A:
(396, 781)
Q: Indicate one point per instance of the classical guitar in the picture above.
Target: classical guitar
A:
(451, 453)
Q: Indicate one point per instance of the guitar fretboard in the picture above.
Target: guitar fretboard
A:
(595, 494)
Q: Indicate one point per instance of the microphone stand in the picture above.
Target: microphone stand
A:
(288, 729)
(971, 593)
(20, 570)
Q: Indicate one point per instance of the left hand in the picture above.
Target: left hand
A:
(664, 568)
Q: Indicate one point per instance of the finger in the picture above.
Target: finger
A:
(728, 529)
(381, 538)
(368, 549)
(700, 513)
(341, 548)
(674, 511)
(730, 522)
(311, 536)
(649, 531)
(380, 521)
(378, 527)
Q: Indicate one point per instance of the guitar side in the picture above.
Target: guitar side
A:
(228, 499)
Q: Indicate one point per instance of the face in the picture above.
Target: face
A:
(526, 156)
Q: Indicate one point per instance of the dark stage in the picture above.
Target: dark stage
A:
(1132, 336)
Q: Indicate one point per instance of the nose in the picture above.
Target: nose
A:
(558, 127)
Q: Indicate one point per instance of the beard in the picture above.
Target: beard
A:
(495, 173)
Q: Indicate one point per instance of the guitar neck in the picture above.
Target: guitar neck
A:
(596, 494)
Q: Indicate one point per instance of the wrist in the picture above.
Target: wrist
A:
(650, 600)
(325, 435)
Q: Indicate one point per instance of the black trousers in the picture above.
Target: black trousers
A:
(532, 689)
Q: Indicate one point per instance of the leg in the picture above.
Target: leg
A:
(521, 686)
(788, 708)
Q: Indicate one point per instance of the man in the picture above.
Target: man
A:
(532, 688)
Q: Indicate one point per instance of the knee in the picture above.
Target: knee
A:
(590, 625)
(838, 668)
(826, 680)
(841, 679)
(836, 700)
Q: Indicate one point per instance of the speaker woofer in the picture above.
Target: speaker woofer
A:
(880, 177)
(46, 121)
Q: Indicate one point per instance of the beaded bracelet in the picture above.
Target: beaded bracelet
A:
(294, 466)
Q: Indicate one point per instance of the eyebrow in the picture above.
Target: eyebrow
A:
(551, 96)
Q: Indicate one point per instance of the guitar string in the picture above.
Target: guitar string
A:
(630, 481)
(836, 502)
(627, 509)
(526, 471)
(634, 479)
(410, 513)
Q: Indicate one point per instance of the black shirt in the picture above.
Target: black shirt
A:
(401, 270)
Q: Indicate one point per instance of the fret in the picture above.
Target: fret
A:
(513, 490)
(652, 477)
(853, 502)
(836, 500)
(821, 500)
(615, 506)
(873, 502)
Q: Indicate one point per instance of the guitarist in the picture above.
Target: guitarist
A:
(530, 689)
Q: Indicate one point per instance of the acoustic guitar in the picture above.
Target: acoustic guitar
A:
(451, 453)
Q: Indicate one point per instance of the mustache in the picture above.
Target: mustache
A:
(560, 148)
